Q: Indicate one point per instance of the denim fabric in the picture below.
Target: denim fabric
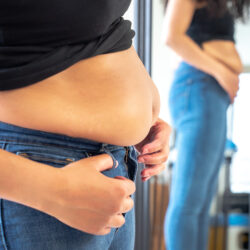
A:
(24, 228)
(198, 107)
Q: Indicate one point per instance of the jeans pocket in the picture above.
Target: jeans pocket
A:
(45, 157)
(42, 153)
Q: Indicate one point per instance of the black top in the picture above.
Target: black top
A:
(39, 38)
(205, 27)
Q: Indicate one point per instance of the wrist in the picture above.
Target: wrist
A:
(39, 186)
(27, 182)
(47, 190)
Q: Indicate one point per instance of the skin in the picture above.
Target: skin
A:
(153, 150)
(113, 101)
(218, 58)
(64, 194)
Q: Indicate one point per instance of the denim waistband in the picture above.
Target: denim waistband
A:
(10, 132)
(183, 66)
(185, 70)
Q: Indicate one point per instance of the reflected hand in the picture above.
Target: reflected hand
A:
(229, 81)
(154, 149)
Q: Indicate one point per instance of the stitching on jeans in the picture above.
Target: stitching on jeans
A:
(20, 142)
(36, 157)
(1, 216)
(2, 227)
(37, 144)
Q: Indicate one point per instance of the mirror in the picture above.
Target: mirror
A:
(229, 211)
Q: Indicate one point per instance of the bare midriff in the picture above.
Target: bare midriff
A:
(108, 98)
(225, 52)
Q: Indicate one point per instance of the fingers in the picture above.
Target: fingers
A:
(152, 147)
(160, 141)
(104, 231)
(156, 158)
(232, 97)
(126, 186)
(234, 92)
(100, 162)
(155, 154)
(147, 173)
(116, 221)
(127, 205)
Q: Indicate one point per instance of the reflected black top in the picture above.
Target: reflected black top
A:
(43, 37)
(205, 27)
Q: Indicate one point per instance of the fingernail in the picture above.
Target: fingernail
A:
(120, 177)
(116, 164)
(145, 179)
(141, 160)
(145, 176)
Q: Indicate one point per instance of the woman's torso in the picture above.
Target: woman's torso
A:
(225, 52)
(215, 35)
(108, 98)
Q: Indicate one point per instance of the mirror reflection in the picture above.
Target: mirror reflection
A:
(201, 65)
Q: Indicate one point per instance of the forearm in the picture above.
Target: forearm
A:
(191, 53)
(25, 181)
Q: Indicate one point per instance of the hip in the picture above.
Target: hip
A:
(195, 94)
(59, 150)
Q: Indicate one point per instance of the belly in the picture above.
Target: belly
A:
(109, 98)
(225, 52)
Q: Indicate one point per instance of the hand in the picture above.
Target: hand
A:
(229, 81)
(87, 200)
(154, 149)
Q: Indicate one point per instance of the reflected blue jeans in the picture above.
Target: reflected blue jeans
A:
(24, 228)
(198, 107)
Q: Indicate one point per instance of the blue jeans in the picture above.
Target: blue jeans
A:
(24, 228)
(198, 106)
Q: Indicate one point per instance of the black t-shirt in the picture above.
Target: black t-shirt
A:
(205, 27)
(41, 38)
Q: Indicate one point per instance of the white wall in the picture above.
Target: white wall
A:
(130, 13)
(242, 37)
(161, 59)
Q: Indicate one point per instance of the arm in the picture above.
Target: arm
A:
(25, 181)
(65, 195)
(178, 17)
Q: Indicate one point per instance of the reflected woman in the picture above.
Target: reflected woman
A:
(205, 83)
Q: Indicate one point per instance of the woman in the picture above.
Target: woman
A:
(205, 82)
(74, 98)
